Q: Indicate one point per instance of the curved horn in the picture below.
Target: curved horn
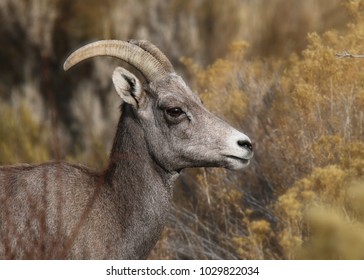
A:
(154, 51)
(146, 63)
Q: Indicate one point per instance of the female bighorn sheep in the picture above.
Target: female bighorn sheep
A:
(62, 210)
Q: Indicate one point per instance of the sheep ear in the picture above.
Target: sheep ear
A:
(128, 87)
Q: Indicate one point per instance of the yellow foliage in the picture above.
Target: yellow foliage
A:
(325, 97)
(355, 200)
(22, 139)
(302, 196)
(332, 213)
(332, 235)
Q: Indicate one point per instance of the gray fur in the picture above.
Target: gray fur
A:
(60, 210)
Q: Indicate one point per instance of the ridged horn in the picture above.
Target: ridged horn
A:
(151, 68)
(154, 51)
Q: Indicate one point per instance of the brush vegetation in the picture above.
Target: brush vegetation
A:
(268, 68)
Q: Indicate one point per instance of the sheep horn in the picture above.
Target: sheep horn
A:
(154, 51)
(151, 68)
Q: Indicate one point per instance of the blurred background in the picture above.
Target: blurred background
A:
(267, 67)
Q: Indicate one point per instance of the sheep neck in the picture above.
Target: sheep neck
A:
(143, 188)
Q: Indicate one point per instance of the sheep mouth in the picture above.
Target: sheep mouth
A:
(242, 160)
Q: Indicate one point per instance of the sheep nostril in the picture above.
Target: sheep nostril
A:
(246, 144)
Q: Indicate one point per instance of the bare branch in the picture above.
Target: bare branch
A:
(346, 54)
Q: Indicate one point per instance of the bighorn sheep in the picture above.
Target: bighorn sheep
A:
(62, 210)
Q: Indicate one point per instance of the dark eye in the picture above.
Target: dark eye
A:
(174, 112)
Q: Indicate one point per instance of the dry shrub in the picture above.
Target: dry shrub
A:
(303, 113)
(336, 231)
(318, 113)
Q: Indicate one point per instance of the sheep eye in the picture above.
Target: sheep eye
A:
(174, 112)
